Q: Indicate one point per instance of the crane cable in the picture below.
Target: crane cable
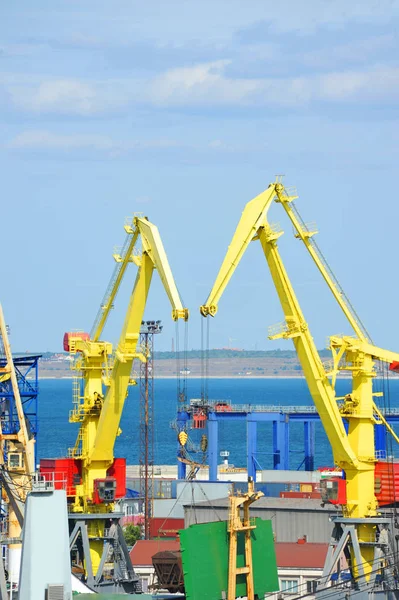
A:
(205, 336)
(181, 372)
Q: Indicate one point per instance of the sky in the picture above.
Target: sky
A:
(184, 111)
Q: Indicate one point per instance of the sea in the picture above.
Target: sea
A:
(56, 434)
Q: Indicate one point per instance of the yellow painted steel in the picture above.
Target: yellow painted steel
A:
(21, 443)
(106, 373)
(241, 523)
(251, 219)
(354, 451)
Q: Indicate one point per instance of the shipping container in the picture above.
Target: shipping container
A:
(290, 476)
(168, 508)
(308, 495)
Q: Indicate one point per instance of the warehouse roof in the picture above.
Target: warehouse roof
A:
(271, 503)
(142, 552)
(301, 554)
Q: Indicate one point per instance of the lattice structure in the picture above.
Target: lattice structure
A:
(19, 425)
(27, 372)
(146, 458)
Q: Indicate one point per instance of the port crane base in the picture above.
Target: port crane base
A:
(383, 579)
(115, 551)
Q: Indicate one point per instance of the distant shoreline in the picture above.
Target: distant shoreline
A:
(213, 377)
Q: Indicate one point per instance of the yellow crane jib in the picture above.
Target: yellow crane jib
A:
(251, 219)
(353, 450)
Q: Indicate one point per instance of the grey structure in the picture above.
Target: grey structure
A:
(291, 518)
(383, 578)
(45, 548)
(115, 551)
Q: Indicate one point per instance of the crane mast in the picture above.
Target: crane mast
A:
(105, 377)
(354, 448)
(17, 457)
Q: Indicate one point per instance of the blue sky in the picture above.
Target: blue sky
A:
(185, 111)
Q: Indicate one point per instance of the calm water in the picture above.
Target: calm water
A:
(56, 434)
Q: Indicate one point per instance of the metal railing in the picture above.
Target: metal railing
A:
(268, 408)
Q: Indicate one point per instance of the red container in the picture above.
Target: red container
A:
(118, 470)
(300, 495)
(386, 485)
(165, 528)
(64, 472)
(386, 482)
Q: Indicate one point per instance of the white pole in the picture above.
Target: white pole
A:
(10, 574)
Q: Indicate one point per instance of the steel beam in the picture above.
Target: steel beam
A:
(281, 438)
(213, 445)
(251, 447)
(309, 443)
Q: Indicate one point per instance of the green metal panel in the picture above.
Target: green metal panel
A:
(205, 560)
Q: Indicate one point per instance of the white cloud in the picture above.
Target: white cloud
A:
(307, 17)
(216, 21)
(379, 83)
(355, 52)
(46, 140)
(207, 85)
(204, 85)
(65, 96)
(43, 140)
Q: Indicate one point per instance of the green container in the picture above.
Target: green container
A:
(205, 560)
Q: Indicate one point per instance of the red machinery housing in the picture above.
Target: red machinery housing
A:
(75, 335)
(66, 474)
(199, 419)
(386, 485)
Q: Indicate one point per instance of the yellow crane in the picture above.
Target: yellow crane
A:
(353, 450)
(105, 377)
(17, 472)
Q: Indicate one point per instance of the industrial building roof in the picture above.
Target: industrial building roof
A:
(142, 552)
(273, 503)
(301, 555)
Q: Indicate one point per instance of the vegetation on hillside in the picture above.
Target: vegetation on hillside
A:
(231, 353)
